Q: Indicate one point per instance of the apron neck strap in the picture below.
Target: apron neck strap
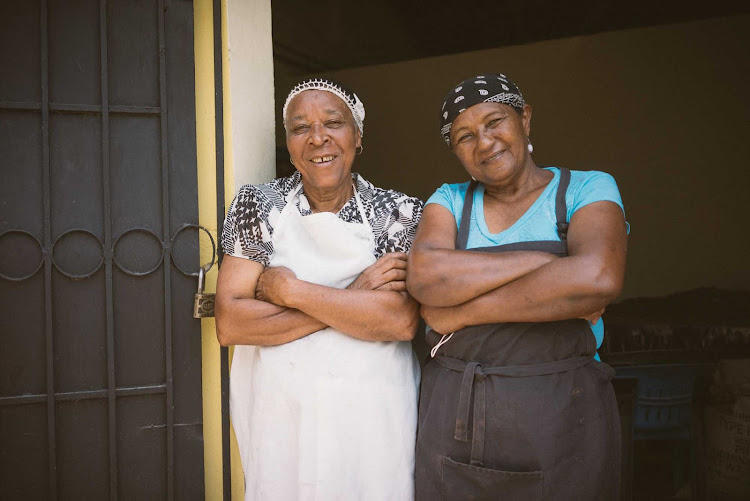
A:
(462, 237)
(561, 210)
(294, 192)
(561, 207)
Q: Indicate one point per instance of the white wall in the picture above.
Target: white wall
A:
(251, 152)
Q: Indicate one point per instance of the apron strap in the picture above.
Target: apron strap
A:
(473, 384)
(479, 424)
(462, 413)
(561, 207)
(360, 206)
(462, 237)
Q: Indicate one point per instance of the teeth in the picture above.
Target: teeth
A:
(318, 160)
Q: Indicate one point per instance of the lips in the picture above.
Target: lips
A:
(494, 156)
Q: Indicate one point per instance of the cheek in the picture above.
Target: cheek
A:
(294, 146)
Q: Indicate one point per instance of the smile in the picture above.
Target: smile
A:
(493, 157)
(320, 160)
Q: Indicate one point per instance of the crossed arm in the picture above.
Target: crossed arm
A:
(271, 306)
(460, 288)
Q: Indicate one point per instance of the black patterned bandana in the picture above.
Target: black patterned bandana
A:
(494, 88)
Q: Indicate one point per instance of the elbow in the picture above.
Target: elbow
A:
(223, 335)
(409, 329)
(407, 322)
(606, 283)
(417, 276)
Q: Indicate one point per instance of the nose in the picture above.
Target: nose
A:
(485, 139)
(318, 134)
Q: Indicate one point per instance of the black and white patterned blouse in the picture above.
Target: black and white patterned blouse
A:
(250, 219)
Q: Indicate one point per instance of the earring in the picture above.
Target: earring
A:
(530, 146)
(291, 161)
(361, 149)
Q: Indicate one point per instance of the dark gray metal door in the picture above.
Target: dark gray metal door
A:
(100, 363)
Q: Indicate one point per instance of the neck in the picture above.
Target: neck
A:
(328, 200)
(529, 179)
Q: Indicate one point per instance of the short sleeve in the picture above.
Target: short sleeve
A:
(596, 186)
(400, 226)
(246, 233)
(443, 196)
(451, 196)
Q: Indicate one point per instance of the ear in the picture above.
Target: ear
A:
(526, 119)
(358, 141)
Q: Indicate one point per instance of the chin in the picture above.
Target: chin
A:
(328, 180)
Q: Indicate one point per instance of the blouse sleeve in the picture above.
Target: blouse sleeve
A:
(246, 234)
(400, 226)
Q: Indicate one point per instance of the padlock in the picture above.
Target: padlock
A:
(204, 301)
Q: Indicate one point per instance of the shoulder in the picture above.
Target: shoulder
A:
(596, 177)
(385, 200)
(450, 196)
(273, 192)
(592, 183)
(591, 186)
(454, 189)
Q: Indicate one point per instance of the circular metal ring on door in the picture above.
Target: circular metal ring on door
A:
(135, 273)
(205, 267)
(75, 276)
(41, 261)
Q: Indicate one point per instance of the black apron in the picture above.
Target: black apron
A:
(518, 411)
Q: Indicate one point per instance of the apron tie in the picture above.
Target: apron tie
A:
(479, 423)
(473, 384)
(464, 399)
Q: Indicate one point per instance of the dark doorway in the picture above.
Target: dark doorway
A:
(100, 374)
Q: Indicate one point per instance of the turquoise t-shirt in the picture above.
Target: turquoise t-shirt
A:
(540, 221)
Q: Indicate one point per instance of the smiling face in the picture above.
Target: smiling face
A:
(490, 140)
(322, 139)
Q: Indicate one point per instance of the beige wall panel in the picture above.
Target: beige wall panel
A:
(665, 110)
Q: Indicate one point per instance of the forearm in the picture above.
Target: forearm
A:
(446, 277)
(374, 315)
(567, 288)
(249, 321)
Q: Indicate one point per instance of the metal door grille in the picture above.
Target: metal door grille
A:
(103, 264)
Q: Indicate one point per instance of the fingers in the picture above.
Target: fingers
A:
(396, 285)
(392, 260)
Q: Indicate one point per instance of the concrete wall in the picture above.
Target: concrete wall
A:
(665, 110)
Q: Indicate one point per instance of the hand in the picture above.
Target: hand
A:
(594, 317)
(387, 273)
(273, 284)
(442, 319)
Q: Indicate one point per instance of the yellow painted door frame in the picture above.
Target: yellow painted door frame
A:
(205, 125)
(247, 72)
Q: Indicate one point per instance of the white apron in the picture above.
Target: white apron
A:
(327, 417)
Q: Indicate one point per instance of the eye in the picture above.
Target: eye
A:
(463, 138)
(334, 124)
(300, 129)
(494, 121)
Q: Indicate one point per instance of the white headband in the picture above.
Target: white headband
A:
(350, 98)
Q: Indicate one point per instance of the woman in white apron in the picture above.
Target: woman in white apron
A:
(323, 389)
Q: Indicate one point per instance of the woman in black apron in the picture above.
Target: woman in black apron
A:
(514, 404)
